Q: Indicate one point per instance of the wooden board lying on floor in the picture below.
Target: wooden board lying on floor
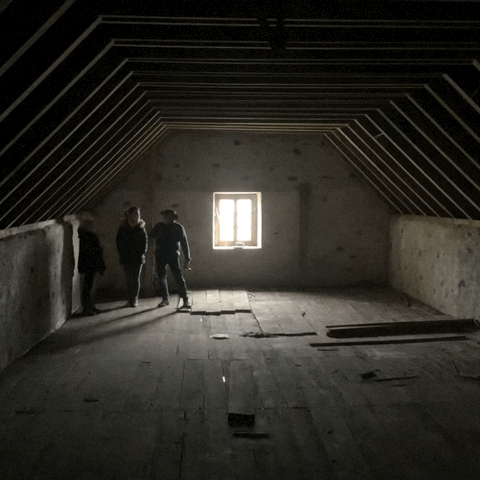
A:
(391, 340)
(402, 328)
(282, 318)
(241, 405)
(217, 302)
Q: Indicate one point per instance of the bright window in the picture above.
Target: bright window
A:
(237, 220)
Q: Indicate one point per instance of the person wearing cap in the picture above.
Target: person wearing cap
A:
(169, 237)
(132, 245)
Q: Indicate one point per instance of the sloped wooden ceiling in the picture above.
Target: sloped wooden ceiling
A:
(87, 86)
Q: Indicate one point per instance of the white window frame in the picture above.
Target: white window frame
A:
(256, 226)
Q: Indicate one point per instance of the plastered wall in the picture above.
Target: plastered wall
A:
(438, 262)
(39, 288)
(321, 224)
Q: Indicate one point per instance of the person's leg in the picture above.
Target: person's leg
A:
(162, 281)
(87, 304)
(179, 279)
(135, 286)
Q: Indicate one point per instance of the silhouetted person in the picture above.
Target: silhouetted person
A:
(90, 261)
(169, 237)
(132, 244)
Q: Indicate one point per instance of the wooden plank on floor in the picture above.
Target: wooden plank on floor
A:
(216, 395)
(344, 454)
(199, 302)
(266, 319)
(194, 464)
(167, 453)
(169, 388)
(291, 317)
(193, 385)
(240, 300)
(226, 301)
(313, 457)
(213, 302)
(241, 394)
(402, 328)
(268, 391)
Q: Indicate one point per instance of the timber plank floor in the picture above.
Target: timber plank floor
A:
(144, 393)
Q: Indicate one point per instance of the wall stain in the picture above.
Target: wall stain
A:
(215, 165)
(461, 283)
(237, 142)
(292, 179)
(340, 249)
(297, 151)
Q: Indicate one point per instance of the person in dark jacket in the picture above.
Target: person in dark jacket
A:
(169, 237)
(90, 261)
(132, 244)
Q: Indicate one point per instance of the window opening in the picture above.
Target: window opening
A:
(237, 220)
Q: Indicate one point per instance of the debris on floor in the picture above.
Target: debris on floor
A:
(253, 435)
(219, 336)
(277, 334)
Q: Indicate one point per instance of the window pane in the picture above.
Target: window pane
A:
(244, 220)
(226, 212)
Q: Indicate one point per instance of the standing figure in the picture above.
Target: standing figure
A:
(132, 243)
(90, 261)
(169, 237)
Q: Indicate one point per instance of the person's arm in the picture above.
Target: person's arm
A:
(185, 248)
(145, 240)
(118, 239)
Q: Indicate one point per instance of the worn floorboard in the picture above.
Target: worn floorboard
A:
(143, 394)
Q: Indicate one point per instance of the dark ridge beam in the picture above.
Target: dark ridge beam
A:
(307, 69)
(303, 10)
(346, 55)
(374, 63)
(258, 128)
(143, 69)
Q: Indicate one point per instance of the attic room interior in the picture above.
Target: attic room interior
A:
(338, 338)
